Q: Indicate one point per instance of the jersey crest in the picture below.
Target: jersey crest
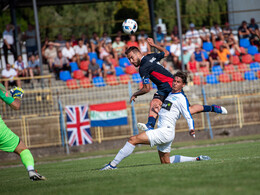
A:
(167, 105)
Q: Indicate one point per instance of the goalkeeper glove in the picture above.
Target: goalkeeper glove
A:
(17, 93)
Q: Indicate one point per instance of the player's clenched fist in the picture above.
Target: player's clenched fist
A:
(17, 93)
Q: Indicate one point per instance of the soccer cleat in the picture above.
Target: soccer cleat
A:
(34, 176)
(108, 167)
(144, 127)
(220, 109)
(203, 158)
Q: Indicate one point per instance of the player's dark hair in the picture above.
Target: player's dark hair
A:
(133, 49)
(182, 75)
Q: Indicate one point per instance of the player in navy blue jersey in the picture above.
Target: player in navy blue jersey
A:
(151, 69)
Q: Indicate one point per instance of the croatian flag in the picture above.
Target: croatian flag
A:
(108, 114)
(78, 125)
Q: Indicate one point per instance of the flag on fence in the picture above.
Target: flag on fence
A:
(108, 114)
(78, 125)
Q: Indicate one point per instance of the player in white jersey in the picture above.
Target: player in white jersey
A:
(175, 105)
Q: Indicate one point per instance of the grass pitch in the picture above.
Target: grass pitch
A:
(234, 169)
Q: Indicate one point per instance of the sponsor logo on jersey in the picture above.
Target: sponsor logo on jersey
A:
(167, 105)
(152, 60)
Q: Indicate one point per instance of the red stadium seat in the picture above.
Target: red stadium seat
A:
(204, 70)
(124, 79)
(242, 68)
(196, 80)
(85, 83)
(236, 60)
(84, 65)
(242, 49)
(229, 69)
(258, 74)
(237, 76)
(72, 84)
(247, 59)
(112, 80)
(224, 78)
(114, 62)
(130, 69)
(257, 57)
(218, 44)
(78, 74)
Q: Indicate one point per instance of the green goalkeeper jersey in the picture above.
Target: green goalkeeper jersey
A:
(5, 96)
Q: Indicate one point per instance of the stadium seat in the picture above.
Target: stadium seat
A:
(252, 50)
(130, 69)
(224, 78)
(236, 60)
(168, 48)
(124, 79)
(65, 75)
(247, 59)
(207, 46)
(242, 68)
(212, 79)
(244, 43)
(204, 70)
(205, 54)
(92, 55)
(196, 80)
(112, 80)
(258, 74)
(99, 82)
(254, 66)
(216, 70)
(78, 74)
(100, 63)
(218, 43)
(73, 66)
(136, 78)
(242, 49)
(119, 71)
(124, 62)
(237, 76)
(114, 62)
(257, 57)
(229, 68)
(85, 83)
(84, 65)
(250, 75)
(72, 84)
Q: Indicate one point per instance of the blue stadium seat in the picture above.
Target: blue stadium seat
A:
(254, 66)
(244, 43)
(99, 82)
(212, 79)
(168, 48)
(65, 75)
(92, 55)
(119, 71)
(217, 70)
(100, 63)
(124, 62)
(208, 46)
(136, 78)
(73, 66)
(252, 50)
(250, 75)
(205, 54)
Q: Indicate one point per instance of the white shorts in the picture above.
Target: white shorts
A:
(162, 138)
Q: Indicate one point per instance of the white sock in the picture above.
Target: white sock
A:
(124, 152)
(178, 158)
(30, 168)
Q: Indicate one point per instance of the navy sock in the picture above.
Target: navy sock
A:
(151, 121)
(207, 108)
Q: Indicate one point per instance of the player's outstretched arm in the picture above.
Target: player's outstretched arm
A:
(16, 104)
(161, 49)
(144, 90)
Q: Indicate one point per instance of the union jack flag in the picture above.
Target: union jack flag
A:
(78, 125)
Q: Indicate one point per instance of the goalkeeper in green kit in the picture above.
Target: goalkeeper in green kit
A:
(9, 141)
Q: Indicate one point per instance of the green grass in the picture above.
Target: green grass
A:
(234, 169)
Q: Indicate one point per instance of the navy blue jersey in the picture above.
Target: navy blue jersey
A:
(150, 68)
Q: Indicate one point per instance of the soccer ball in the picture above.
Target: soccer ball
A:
(129, 26)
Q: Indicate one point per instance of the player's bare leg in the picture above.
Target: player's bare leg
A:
(164, 157)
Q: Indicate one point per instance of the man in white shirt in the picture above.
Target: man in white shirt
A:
(9, 73)
(216, 33)
(204, 34)
(9, 42)
(175, 51)
(81, 51)
(68, 51)
(175, 104)
(193, 34)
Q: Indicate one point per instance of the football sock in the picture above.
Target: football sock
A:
(124, 152)
(151, 121)
(179, 158)
(27, 159)
(207, 108)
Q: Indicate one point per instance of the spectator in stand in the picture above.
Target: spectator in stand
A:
(175, 51)
(106, 38)
(199, 57)
(20, 67)
(60, 63)
(118, 48)
(73, 41)
(160, 36)
(50, 54)
(193, 34)
(94, 42)
(243, 31)
(132, 42)
(216, 33)
(81, 51)
(68, 51)
(8, 40)
(223, 54)
(84, 39)
(94, 70)
(254, 33)
(30, 38)
(103, 50)
(193, 65)
(108, 68)
(10, 73)
(141, 35)
(186, 56)
(175, 31)
(232, 45)
(144, 46)
(204, 33)
(190, 46)
(227, 31)
(214, 58)
(60, 41)
(34, 66)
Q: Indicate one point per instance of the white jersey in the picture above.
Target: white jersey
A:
(173, 106)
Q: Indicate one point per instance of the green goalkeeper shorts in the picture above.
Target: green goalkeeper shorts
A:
(8, 140)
